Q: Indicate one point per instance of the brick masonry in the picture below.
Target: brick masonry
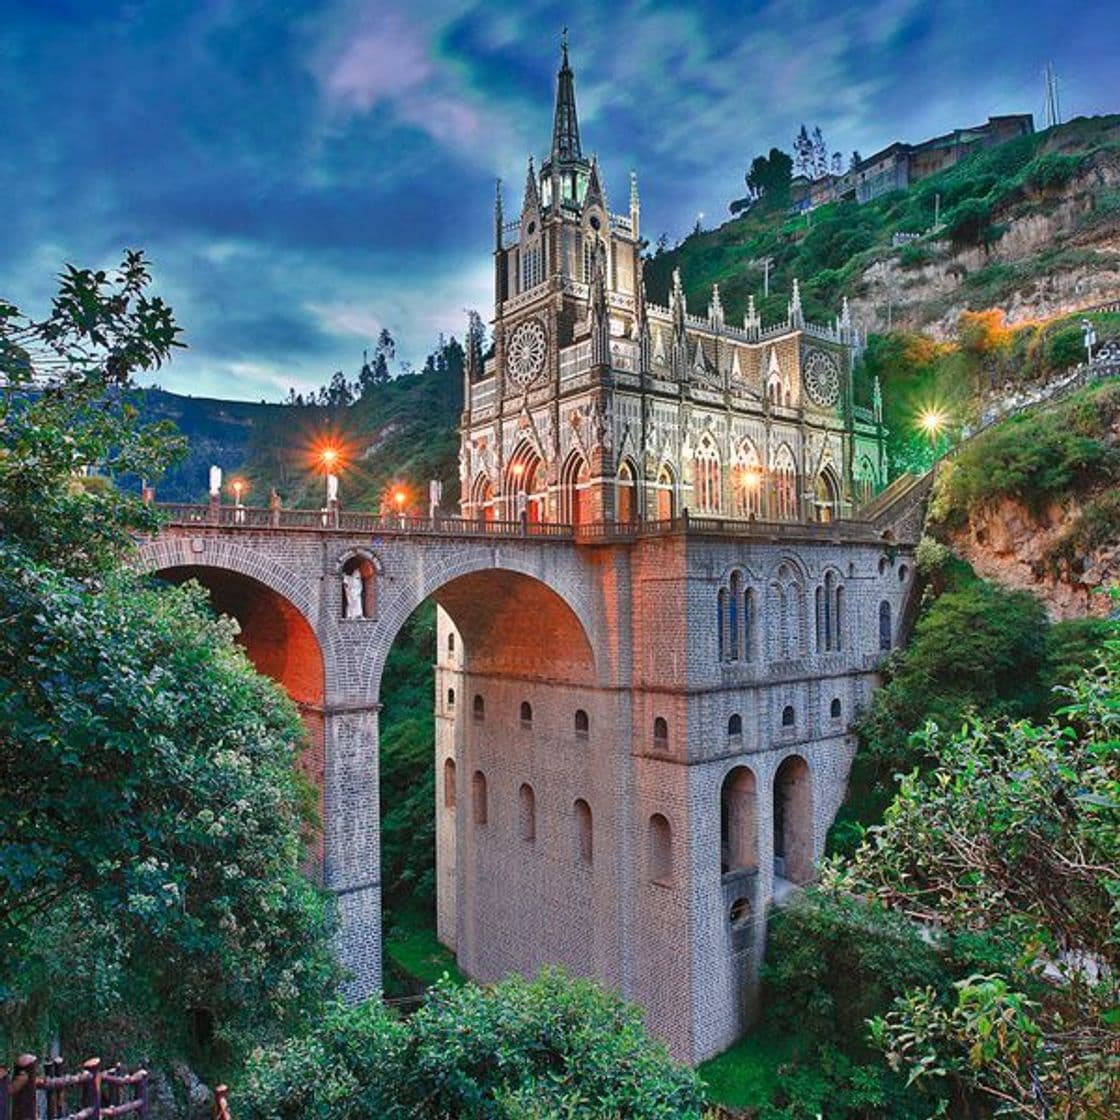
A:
(627, 633)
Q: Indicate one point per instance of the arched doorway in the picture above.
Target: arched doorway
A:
(523, 485)
(793, 821)
(826, 496)
(575, 492)
(482, 499)
(626, 493)
(666, 491)
(738, 805)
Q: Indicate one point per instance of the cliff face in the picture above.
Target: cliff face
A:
(1009, 545)
(1055, 256)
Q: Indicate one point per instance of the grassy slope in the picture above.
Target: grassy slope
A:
(830, 249)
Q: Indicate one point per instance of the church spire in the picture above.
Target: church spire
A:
(565, 125)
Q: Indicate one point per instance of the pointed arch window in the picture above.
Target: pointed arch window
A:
(707, 476)
(830, 606)
(785, 485)
(886, 630)
(626, 494)
(748, 481)
(532, 265)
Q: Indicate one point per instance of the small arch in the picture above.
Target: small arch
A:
(359, 586)
(527, 812)
(451, 698)
(575, 482)
(666, 493)
(582, 724)
(835, 709)
(583, 832)
(479, 799)
(789, 716)
(735, 726)
(793, 821)
(826, 495)
(479, 708)
(748, 479)
(739, 913)
(784, 479)
(450, 796)
(526, 714)
(738, 821)
(886, 629)
(903, 572)
(660, 849)
(482, 498)
(660, 734)
(706, 488)
(450, 641)
(884, 564)
(626, 493)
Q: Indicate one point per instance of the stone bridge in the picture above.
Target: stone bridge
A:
(644, 755)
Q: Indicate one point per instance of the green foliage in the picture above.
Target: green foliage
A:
(1035, 457)
(970, 222)
(1052, 170)
(769, 178)
(67, 410)
(549, 1048)
(1014, 838)
(151, 830)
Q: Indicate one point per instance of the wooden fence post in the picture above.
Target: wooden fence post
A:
(24, 1105)
(91, 1090)
(142, 1093)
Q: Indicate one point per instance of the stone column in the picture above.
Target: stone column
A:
(352, 841)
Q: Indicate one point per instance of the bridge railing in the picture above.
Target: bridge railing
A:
(102, 1094)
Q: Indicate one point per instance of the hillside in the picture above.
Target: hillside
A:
(400, 431)
(1032, 226)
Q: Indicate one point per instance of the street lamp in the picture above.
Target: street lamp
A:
(399, 498)
(1089, 333)
(931, 422)
(239, 510)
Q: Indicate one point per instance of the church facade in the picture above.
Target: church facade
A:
(598, 406)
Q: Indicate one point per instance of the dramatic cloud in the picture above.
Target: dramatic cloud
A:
(303, 175)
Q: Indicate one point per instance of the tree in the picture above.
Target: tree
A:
(803, 153)
(151, 819)
(1014, 840)
(544, 1048)
(819, 154)
(769, 178)
(855, 161)
(837, 163)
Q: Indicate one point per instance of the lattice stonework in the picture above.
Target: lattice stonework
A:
(527, 348)
(821, 376)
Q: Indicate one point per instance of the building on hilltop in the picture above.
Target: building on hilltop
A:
(899, 164)
(598, 406)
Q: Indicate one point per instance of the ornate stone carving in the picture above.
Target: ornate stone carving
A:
(821, 377)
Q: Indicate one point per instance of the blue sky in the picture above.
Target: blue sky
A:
(303, 174)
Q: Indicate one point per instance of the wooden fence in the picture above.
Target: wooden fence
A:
(99, 1094)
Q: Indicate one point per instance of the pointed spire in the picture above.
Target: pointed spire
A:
(565, 124)
(595, 195)
(736, 367)
(499, 222)
(715, 309)
(677, 305)
(751, 322)
(641, 321)
(877, 400)
(598, 317)
(796, 315)
(532, 198)
(635, 207)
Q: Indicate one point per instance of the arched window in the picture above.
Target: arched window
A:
(886, 632)
(482, 499)
(666, 494)
(785, 485)
(903, 572)
(747, 479)
(626, 494)
(660, 849)
(788, 716)
(478, 797)
(834, 708)
(748, 624)
(524, 485)
(735, 726)
(793, 821)
(527, 812)
(865, 481)
(451, 698)
(706, 476)
(582, 823)
(479, 709)
(829, 606)
(532, 266)
(826, 495)
(739, 913)
(449, 794)
(575, 480)
(786, 615)
(838, 619)
(738, 821)
(721, 625)
(451, 641)
(582, 723)
(733, 600)
(660, 734)
(526, 714)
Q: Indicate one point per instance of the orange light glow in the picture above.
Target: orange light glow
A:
(238, 486)
(400, 497)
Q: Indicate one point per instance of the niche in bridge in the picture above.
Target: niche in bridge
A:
(516, 626)
(793, 821)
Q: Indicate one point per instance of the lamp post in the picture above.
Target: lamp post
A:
(1089, 333)
(238, 508)
(329, 458)
(931, 422)
(399, 499)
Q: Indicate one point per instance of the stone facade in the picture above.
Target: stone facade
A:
(597, 405)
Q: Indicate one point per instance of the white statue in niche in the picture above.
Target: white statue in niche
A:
(352, 590)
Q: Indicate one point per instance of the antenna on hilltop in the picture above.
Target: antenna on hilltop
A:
(1053, 104)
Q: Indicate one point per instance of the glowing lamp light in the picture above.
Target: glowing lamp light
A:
(518, 469)
(400, 497)
(329, 457)
(932, 421)
(238, 488)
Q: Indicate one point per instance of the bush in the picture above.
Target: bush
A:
(548, 1048)
(1052, 170)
